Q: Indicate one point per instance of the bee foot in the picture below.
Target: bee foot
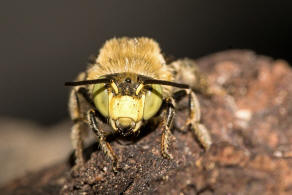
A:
(167, 155)
(116, 167)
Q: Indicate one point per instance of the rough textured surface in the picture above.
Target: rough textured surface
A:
(251, 128)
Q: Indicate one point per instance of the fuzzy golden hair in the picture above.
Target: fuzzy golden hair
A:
(136, 55)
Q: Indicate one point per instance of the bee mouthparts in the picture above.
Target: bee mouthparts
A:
(125, 125)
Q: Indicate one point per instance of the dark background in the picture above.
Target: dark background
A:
(44, 43)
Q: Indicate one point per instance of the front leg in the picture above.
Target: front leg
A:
(166, 125)
(101, 139)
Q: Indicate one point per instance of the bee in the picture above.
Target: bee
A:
(128, 84)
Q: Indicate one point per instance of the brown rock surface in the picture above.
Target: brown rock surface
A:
(251, 128)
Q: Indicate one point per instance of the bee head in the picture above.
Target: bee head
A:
(127, 99)
(126, 102)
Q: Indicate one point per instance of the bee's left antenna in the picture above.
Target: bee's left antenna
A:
(162, 82)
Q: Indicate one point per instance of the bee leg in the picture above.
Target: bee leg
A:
(193, 121)
(78, 128)
(104, 145)
(178, 96)
(77, 142)
(165, 125)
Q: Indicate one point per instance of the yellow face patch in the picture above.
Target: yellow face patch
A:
(126, 107)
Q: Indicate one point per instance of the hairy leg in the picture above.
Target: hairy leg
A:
(78, 128)
(194, 121)
(104, 145)
(194, 118)
(78, 102)
(165, 126)
(77, 141)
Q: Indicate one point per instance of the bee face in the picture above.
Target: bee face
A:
(126, 102)
(126, 112)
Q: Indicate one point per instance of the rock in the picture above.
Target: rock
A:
(251, 128)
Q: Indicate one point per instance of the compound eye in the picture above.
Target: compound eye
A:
(153, 101)
(100, 98)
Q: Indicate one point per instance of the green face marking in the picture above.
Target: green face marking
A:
(153, 101)
(100, 98)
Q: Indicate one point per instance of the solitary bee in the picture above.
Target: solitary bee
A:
(128, 84)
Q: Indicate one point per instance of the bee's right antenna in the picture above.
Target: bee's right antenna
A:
(87, 82)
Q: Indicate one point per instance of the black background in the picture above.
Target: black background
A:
(44, 43)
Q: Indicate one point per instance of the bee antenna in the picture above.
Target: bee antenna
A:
(162, 82)
(87, 82)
